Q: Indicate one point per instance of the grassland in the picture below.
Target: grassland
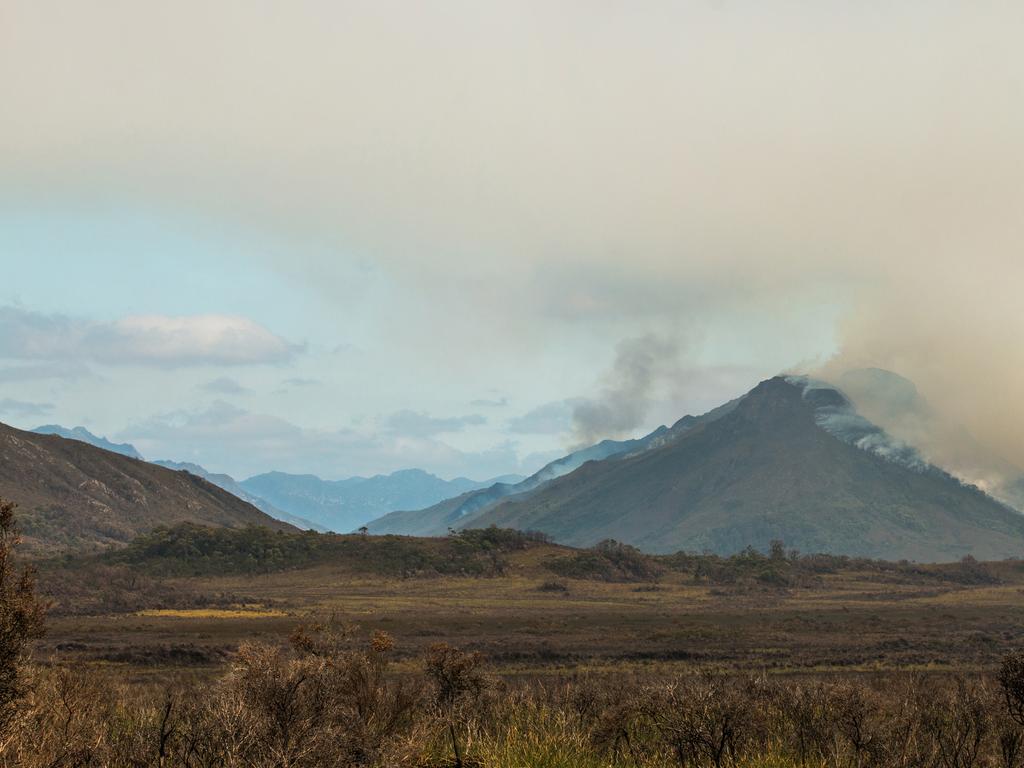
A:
(199, 647)
(513, 603)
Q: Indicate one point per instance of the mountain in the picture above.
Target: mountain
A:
(344, 505)
(235, 488)
(455, 512)
(793, 460)
(85, 436)
(73, 496)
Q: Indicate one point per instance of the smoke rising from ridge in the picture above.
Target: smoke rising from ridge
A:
(629, 387)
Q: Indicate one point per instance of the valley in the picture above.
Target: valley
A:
(743, 614)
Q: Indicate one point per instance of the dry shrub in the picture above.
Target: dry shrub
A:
(21, 620)
(704, 720)
(327, 701)
(457, 682)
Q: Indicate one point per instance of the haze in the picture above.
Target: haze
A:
(347, 238)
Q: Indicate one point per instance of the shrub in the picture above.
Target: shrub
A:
(607, 561)
(21, 620)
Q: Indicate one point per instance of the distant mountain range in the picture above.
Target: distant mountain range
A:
(345, 505)
(791, 460)
(233, 487)
(794, 459)
(74, 496)
(306, 501)
(85, 436)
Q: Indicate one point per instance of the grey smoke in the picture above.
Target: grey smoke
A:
(835, 414)
(628, 391)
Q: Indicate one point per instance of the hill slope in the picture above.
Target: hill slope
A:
(232, 486)
(792, 461)
(74, 496)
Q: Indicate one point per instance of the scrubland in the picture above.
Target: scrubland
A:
(201, 648)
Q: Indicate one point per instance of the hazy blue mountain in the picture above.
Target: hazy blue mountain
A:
(794, 460)
(83, 435)
(235, 488)
(453, 513)
(345, 505)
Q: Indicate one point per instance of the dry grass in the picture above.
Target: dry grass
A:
(844, 622)
(211, 613)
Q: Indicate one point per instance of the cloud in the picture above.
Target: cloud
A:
(498, 403)
(23, 409)
(554, 418)
(65, 370)
(224, 385)
(299, 381)
(224, 437)
(417, 424)
(146, 340)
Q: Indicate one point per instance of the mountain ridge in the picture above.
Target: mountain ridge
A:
(73, 496)
(770, 470)
(456, 512)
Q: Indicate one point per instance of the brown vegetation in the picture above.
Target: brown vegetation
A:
(767, 660)
(330, 699)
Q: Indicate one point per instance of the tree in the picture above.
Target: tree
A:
(21, 620)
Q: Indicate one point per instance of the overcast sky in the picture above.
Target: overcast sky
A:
(348, 238)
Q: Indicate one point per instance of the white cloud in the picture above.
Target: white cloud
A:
(500, 402)
(417, 424)
(148, 340)
(24, 409)
(63, 370)
(225, 385)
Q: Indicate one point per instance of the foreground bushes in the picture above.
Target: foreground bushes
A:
(330, 699)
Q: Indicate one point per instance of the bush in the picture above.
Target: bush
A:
(607, 561)
(553, 586)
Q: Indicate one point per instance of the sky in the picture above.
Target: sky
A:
(347, 238)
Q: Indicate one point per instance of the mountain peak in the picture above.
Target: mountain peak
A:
(792, 460)
(83, 435)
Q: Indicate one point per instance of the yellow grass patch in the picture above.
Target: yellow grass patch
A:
(212, 613)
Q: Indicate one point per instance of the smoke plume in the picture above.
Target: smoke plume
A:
(629, 387)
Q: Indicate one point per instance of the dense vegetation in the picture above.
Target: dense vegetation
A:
(196, 550)
(778, 568)
(608, 561)
(190, 550)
